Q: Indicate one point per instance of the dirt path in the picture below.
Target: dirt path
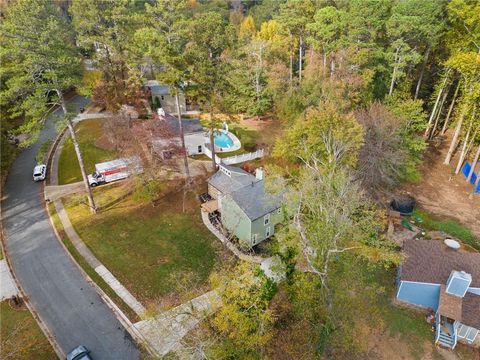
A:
(443, 193)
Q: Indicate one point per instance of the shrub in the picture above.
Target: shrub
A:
(147, 190)
(42, 152)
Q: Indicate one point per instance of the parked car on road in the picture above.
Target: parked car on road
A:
(39, 172)
(79, 353)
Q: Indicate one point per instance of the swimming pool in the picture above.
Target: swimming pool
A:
(222, 140)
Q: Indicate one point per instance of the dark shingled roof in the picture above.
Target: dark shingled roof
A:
(227, 184)
(466, 309)
(450, 305)
(190, 126)
(431, 261)
(471, 310)
(253, 200)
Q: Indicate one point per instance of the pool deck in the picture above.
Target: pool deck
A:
(236, 143)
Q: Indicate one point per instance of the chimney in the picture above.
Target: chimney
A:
(259, 174)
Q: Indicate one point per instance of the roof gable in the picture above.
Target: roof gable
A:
(230, 178)
(254, 201)
(189, 126)
(471, 310)
(465, 309)
(246, 191)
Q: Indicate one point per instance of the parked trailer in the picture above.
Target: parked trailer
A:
(114, 170)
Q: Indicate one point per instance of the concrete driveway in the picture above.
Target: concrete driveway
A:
(68, 305)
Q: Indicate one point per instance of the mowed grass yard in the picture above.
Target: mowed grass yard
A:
(88, 132)
(248, 138)
(154, 251)
(20, 336)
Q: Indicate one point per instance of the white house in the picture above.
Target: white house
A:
(192, 130)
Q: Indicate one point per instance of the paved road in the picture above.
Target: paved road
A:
(64, 300)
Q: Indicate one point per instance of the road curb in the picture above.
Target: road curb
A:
(51, 151)
(46, 331)
(121, 317)
(41, 324)
(127, 324)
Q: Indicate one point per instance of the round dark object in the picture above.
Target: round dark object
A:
(403, 204)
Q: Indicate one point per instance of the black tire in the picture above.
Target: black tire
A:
(403, 204)
(93, 185)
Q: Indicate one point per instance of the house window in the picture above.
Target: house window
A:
(466, 332)
(471, 335)
(266, 219)
(462, 331)
(254, 239)
(267, 232)
(199, 148)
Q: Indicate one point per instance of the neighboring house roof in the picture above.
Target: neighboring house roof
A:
(226, 184)
(431, 261)
(158, 89)
(466, 309)
(450, 305)
(471, 310)
(254, 202)
(190, 126)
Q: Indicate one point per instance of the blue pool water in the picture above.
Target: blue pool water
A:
(222, 140)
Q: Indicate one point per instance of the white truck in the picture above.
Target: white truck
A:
(114, 170)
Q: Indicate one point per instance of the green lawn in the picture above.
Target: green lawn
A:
(153, 251)
(87, 268)
(248, 138)
(450, 226)
(88, 131)
(408, 324)
(21, 338)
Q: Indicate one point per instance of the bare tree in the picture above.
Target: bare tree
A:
(152, 140)
(78, 152)
(474, 164)
(332, 216)
(381, 157)
(450, 109)
(467, 143)
(325, 202)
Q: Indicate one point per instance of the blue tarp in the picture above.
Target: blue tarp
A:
(466, 170)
